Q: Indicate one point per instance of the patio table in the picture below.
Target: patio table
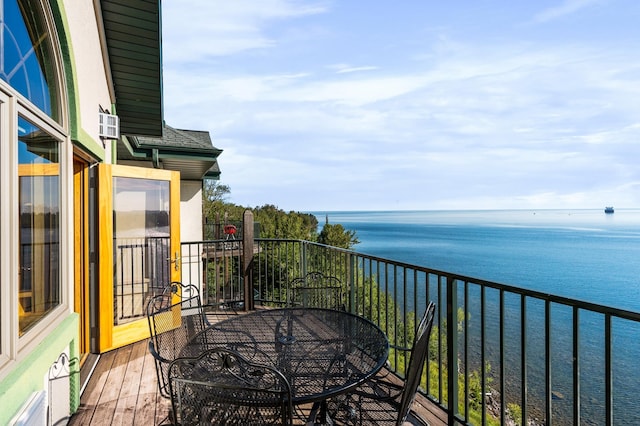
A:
(322, 352)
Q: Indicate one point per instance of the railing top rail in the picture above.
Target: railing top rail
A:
(580, 304)
(624, 314)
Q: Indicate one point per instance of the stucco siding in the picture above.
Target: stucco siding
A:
(32, 373)
(190, 210)
(88, 64)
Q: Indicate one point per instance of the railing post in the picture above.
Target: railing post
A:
(303, 258)
(452, 348)
(351, 259)
(247, 259)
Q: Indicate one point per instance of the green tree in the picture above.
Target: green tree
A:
(337, 236)
(276, 223)
(214, 196)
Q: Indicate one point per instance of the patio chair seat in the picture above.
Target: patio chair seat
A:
(381, 401)
(223, 388)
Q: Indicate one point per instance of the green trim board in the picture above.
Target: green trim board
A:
(79, 137)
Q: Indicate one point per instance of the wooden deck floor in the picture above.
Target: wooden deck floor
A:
(123, 390)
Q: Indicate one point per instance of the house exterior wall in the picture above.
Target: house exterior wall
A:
(191, 228)
(190, 210)
(27, 362)
(86, 76)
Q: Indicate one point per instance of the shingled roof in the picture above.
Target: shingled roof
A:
(190, 152)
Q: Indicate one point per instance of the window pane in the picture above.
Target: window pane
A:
(27, 58)
(39, 208)
(141, 244)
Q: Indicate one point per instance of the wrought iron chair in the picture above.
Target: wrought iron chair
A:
(382, 401)
(317, 290)
(221, 387)
(175, 317)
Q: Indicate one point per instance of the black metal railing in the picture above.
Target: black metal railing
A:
(496, 351)
(216, 267)
(141, 271)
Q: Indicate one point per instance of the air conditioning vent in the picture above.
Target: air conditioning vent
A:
(109, 126)
(33, 412)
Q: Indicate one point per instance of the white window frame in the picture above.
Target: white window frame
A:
(7, 343)
(14, 348)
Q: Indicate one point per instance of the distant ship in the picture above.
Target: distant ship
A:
(608, 209)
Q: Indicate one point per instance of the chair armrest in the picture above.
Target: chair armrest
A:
(155, 354)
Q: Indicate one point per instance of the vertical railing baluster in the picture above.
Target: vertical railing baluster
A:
(547, 363)
(378, 281)
(452, 347)
(483, 379)
(523, 354)
(415, 296)
(404, 308)
(466, 350)
(576, 366)
(503, 403)
(303, 260)
(353, 267)
(608, 381)
(429, 355)
(439, 311)
(386, 304)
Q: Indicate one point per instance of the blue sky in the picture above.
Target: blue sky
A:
(378, 105)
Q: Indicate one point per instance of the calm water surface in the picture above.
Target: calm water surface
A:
(581, 254)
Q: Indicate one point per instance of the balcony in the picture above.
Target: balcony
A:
(123, 390)
(498, 354)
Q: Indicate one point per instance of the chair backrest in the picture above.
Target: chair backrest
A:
(316, 290)
(175, 317)
(416, 363)
(222, 387)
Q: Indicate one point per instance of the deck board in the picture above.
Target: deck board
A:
(91, 396)
(108, 402)
(126, 403)
(123, 390)
(149, 396)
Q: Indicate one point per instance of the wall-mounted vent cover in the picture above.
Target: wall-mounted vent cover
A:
(33, 412)
(109, 126)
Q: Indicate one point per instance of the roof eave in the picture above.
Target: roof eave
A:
(133, 35)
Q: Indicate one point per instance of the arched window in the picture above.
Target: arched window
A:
(29, 67)
(26, 62)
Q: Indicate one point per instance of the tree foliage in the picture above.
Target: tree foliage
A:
(214, 195)
(273, 222)
(276, 223)
(337, 236)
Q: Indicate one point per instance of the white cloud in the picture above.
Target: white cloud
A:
(344, 69)
(455, 122)
(195, 29)
(567, 7)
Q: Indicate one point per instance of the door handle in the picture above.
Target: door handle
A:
(175, 260)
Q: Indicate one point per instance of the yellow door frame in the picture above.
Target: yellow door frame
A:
(114, 336)
(81, 250)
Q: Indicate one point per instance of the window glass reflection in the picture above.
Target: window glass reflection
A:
(141, 244)
(39, 237)
(27, 56)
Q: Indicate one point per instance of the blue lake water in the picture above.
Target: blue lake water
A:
(581, 254)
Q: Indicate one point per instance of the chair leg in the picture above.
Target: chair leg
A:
(319, 415)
